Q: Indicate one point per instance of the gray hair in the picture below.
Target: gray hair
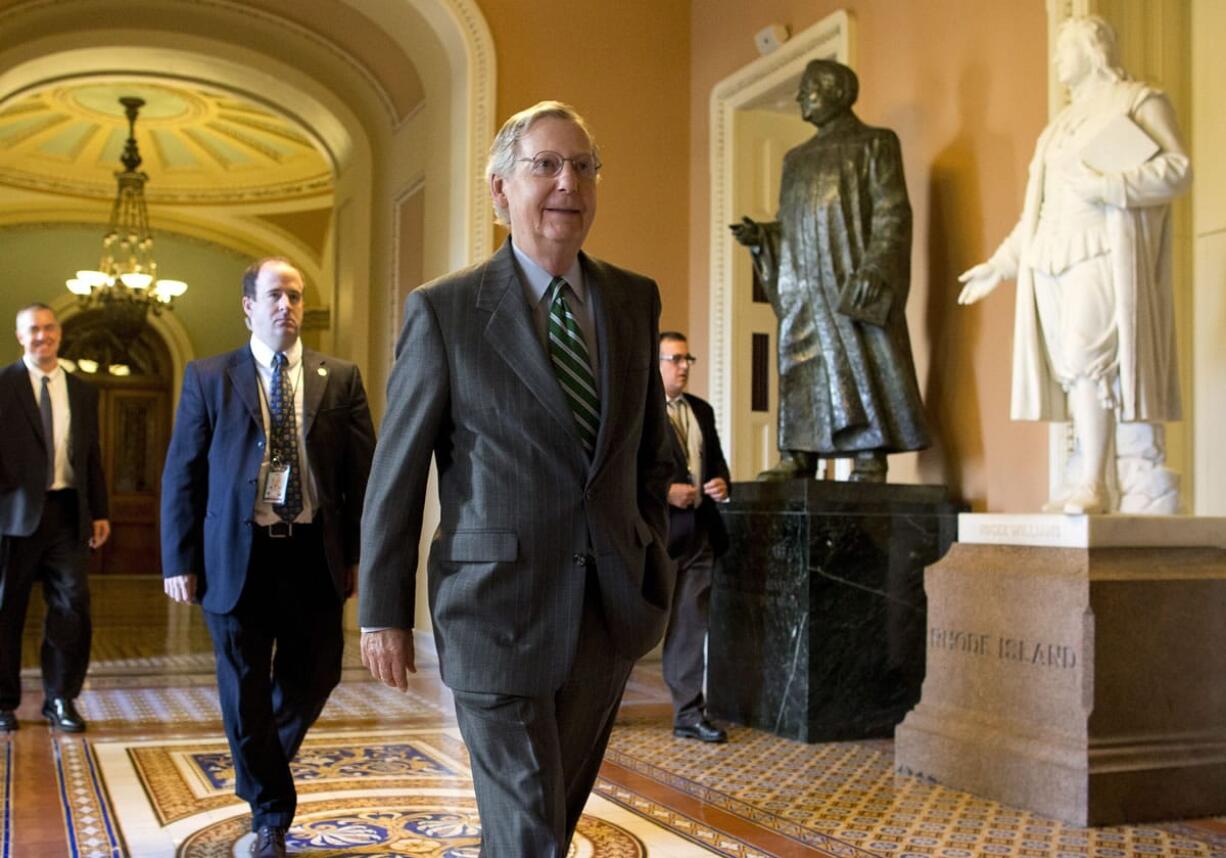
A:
(505, 148)
(33, 308)
(1096, 37)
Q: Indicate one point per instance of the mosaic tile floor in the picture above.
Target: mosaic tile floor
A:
(386, 774)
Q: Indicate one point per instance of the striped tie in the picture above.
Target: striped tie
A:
(572, 365)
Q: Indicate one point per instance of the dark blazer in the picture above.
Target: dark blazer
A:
(212, 469)
(23, 454)
(687, 527)
(522, 508)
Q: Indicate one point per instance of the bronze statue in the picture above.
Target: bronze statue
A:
(836, 267)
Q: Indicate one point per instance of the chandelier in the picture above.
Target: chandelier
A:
(126, 281)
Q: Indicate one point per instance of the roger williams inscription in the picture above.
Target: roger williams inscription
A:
(1003, 648)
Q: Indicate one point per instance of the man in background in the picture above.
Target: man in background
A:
(261, 505)
(53, 509)
(696, 536)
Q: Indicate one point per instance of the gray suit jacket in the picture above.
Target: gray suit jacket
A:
(522, 508)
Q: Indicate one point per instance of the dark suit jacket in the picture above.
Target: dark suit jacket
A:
(521, 505)
(23, 454)
(688, 527)
(212, 469)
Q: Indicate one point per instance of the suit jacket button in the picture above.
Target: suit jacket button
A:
(580, 560)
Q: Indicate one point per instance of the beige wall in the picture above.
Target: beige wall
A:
(964, 86)
(625, 66)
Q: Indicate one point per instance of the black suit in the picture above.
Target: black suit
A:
(46, 534)
(696, 538)
(257, 589)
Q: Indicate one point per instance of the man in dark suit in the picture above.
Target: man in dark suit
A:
(53, 509)
(696, 537)
(530, 378)
(261, 505)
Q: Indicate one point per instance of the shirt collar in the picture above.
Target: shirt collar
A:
(264, 355)
(538, 279)
(38, 371)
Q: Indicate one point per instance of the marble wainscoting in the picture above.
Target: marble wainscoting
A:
(818, 613)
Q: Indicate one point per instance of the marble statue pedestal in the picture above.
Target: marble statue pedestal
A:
(817, 616)
(1075, 667)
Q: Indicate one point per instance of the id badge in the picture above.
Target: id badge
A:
(276, 484)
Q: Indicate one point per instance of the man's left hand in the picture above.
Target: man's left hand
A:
(102, 532)
(716, 489)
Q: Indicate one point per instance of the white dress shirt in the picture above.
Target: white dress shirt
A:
(687, 427)
(61, 419)
(263, 355)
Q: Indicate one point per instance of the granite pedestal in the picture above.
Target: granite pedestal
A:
(817, 617)
(1075, 667)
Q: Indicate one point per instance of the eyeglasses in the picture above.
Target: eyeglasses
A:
(548, 165)
(679, 359)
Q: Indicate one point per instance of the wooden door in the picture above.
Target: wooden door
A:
(135, 435)
(130, 365)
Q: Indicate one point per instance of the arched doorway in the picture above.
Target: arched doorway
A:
(131, 367)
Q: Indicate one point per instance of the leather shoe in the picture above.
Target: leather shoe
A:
(702, 730)
(63, 715)
(269, 842)
(8, 720)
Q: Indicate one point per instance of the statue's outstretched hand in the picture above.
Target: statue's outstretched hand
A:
(747, 232)
(980, 280)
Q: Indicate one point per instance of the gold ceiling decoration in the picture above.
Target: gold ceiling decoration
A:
(201, 146)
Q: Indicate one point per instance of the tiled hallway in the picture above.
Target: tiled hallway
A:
(386, 774)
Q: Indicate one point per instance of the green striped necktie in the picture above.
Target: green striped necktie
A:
(573, 365)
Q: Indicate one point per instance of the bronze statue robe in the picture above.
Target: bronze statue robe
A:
(845, 385)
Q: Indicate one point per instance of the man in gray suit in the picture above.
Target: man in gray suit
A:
(531, 379)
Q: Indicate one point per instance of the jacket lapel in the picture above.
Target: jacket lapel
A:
(19, 376)
(315, 377)
(512, 335)
(612, 336)
(242, 373)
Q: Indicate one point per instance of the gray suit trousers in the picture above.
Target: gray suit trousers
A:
(535, 759)
(684, 656)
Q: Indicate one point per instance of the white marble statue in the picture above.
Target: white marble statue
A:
(1094, 328)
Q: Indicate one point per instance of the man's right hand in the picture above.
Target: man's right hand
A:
(388, 655)
(181, 588)
(683, 495)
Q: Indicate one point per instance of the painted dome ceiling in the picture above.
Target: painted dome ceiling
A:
(197, 145)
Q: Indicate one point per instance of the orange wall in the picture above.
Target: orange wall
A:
(625, 66)
(964, 84)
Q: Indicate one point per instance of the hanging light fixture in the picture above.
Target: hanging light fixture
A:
(126, 280)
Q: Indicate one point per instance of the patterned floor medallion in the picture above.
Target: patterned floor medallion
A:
(421, 829)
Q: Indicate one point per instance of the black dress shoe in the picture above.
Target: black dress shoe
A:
(269, 842)
(62, 715)
(8, 720)
(702, 730)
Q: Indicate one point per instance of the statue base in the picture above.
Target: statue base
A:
(817, 617)
(1074, 667)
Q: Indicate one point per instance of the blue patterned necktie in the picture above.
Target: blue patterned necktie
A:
(44, 407)
(573, 365)
(284, 447)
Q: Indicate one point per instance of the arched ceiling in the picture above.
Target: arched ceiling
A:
(198, 145)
